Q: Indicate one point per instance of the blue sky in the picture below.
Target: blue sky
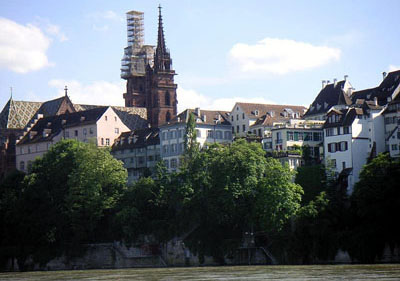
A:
(223, 51)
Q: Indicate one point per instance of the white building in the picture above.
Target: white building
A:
(351, 137)
(392, 132)
(286, 140)
(253, 118)
(101, 125)
(139, 150)
(211, 127)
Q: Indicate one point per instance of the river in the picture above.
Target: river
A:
(313, 272)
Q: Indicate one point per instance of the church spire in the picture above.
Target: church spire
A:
(162, 60)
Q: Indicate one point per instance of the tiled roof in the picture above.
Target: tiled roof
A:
(137, 138)
(382, 92)
(17, 114)
(133, 117)
(257, 110)
(330, 95)
(207, 117)
(347, 116)
(48, 127)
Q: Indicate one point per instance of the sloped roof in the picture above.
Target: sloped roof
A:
(17, 114)
(332, 94)
(54, 124)
(251, 109)
(382, 92)
(207, 117)
(137, 138)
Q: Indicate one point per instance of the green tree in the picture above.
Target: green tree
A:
(65, 199)
(375, 208)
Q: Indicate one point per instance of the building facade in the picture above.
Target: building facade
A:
(211, 127)
(149, 74)
(100, 126)
(139, 150)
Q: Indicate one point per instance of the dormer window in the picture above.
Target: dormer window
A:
(256, 112)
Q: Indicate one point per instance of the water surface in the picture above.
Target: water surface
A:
(314, 272)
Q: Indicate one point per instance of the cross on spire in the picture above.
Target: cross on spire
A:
(66, 90)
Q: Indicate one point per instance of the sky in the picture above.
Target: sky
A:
(223, 51)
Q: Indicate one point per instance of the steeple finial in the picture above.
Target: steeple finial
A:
(161, 40)
(66, 90)
(10, 92)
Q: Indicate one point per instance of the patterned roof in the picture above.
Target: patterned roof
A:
(256, 110)
(17, 114)
(137, 138)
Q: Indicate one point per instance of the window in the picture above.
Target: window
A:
(173, 134)
(330, 132)
(228, 135)
(210, 134)
(332, 147)
(141, 160)
(237, 129)
(290, 136)
(173, 147)
(307, 136)
(168, 117)
(85, 131)
(179, 133)
(29, 149)
(317, 136)
(22, 165)
(242, 115)
(343, 145)
(259, 133)
(166, 163)
(244, 128)
(116, 130)
(107, 142)
(67, 134)
(21, 150)
(167, 99)
(232, 118)
(76, 133)
(333, 162)
(394, 146)
(237, 117)
(91, 131)
(174, 163)
(218, 135)
(343, 165)
(164, 135)
(115, 118)
(165, 148)
(105, 118)
(346, 130)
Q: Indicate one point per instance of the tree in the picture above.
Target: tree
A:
(374, 209)
(235, 189)
(191, 145)
(65, 198)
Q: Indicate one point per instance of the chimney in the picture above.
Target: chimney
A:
(334, 82)
(376, 100)
(204, 118)
(384, 75)
(323, 83)
(345, 77)
(197, 111)
(179, 119)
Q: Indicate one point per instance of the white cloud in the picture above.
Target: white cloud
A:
(280, 56)
(22, 48)
(55, 31)
(393, 67)
(96, 92)
(192, 99)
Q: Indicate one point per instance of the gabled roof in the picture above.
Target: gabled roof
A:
(330, 95)
(17, 114)
(257, 110)
(207, 117)
(347, 117)
(137, 139)
(48, 127)
(382, 92)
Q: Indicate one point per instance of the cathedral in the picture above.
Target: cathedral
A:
(149, 73)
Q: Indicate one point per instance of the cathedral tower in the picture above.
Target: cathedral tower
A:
(161, 101)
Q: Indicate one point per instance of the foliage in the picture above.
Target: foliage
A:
(374, 209)
(64, 200)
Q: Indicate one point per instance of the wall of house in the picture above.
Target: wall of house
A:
(236, 119)
(27, 153)
(109, 127)
(338, 157)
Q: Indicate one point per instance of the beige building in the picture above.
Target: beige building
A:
(253, 118)
(101, 125)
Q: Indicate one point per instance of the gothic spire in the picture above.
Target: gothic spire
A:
(161, 41)
(162, 60)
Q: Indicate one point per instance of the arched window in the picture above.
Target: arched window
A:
(22, 165)
(167, 98)
(168, 117)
